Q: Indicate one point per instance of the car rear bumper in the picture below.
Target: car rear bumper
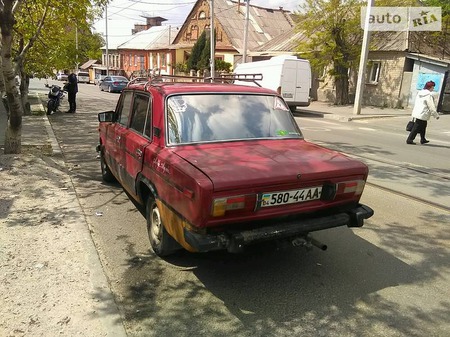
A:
(235, 240)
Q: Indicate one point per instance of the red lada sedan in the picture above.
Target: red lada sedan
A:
(223, 166)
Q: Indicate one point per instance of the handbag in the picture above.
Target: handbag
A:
(410, 125)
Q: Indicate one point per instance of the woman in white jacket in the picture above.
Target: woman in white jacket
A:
(424, 107)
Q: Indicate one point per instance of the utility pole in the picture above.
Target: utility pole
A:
(76, 47)
(106, 40)
(247, 15)
(363, 62)
(212, 41)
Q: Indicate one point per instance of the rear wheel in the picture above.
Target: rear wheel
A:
(49, 107)
(162, 243)
(107, 176)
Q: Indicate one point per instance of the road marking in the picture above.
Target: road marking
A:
(312, 128)
(367, 129)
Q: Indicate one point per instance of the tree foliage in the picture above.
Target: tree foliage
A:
(38, 36)
(195, 59)
(334, 37)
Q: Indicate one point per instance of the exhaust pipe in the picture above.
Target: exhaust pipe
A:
(319, 244)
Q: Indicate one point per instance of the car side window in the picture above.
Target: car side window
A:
(140, 118)
(123, 108)
(106, 78)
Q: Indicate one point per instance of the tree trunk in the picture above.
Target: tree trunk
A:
(341, 84)
(24, 90)
(13, 135)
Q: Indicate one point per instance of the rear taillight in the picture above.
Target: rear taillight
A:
(221, 206)
(355, 187)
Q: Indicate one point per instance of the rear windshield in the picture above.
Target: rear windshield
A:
(119, 78)
(224, 117)
(83, 74)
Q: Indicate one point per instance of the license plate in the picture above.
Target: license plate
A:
(291, 197)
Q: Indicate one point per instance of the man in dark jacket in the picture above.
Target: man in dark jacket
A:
(72, 89)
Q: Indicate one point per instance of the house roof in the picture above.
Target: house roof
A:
(88, 64)
(156, 37)
(264, 23)
(413, 42)
(430, 59)
(285, 43)
(388, 41)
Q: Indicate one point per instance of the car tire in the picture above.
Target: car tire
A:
(162, 243)
(49, 107)
(107, 175)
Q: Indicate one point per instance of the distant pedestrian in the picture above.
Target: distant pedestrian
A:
(72, 88)
(424, 107)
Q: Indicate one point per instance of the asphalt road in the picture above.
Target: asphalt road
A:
(388, 278)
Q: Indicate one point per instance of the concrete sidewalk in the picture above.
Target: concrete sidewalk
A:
(36, 129)
(52, 282)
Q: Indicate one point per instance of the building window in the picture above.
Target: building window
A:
(129, 60)
(194, 32)
(202, 15)
(373, 73)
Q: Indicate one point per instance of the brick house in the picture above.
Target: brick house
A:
(149, 49)
(229, 25)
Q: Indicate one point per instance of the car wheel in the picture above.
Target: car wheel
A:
(162, 243)
(49, 107)
(107, 175)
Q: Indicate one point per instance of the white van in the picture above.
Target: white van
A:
(83, 77)
(286, 74)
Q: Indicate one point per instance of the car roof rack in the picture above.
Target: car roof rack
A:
(156, 77)
(238, 77)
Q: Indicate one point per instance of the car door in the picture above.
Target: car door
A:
(137, 139)
(117, 133)
(105, 82)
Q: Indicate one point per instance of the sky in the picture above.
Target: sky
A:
(123, 14)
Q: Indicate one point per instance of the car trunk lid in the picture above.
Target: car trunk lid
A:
(267, 163)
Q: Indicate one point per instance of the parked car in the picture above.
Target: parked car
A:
(223, 166)
(83, 77)
(60, 76)
(113, 83)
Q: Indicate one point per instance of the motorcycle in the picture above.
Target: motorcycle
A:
(55, 96)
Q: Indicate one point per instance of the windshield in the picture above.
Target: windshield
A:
(224, 117)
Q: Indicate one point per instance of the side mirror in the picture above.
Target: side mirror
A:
(107, 116)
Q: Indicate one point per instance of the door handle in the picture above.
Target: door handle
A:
(139, 153)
